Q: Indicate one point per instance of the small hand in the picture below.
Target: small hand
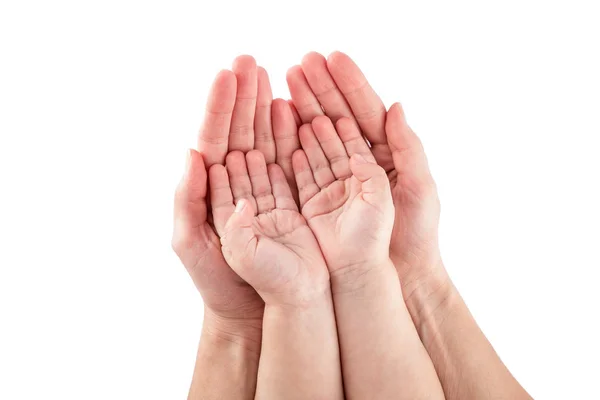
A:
(264, 237)
(345, 200)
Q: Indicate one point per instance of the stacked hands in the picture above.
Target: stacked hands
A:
(316, 252)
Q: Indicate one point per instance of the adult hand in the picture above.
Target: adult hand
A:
(230, 303)
(336, 87)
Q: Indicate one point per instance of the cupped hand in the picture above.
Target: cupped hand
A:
(336, 87)
(344, 196)
(264, 238)
(237, 115)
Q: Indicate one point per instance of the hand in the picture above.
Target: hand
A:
(337, 88)
(240, 115)
(344, 196)
(238, 105)
(347, 202)
(264, 237)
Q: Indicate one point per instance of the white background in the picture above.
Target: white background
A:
(99, 101)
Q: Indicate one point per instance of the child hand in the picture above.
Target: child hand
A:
(264, 238)
(346, 200)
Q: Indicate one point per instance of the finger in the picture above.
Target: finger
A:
(367, 107)
(263, 129)
(307, 187)
(214, 133)
(221, 199)
(407, 150)
(332, 146)
(375, 185)
(353, 140)
(285, 132)
(284, 199)
(239, 241)
(295, 113)
(316, 158)
(241, 132)
(190, 208)
(314, 66)
(261, 186)
(306, 102)
(239, 180)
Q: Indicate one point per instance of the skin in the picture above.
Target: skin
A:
(240, 115)
(466, 363)
(347, 202)
(269, 244)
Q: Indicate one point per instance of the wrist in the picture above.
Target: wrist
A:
(227, 360)
(245, 333)
(302, 302)
(430, 298)
(359, 277)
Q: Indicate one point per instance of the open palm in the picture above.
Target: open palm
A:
(264, 237)
(337, 88)
(345, 201)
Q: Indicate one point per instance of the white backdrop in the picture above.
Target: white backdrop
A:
(99, 101)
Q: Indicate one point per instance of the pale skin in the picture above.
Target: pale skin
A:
(238, 108)
(240, 115)
(269, 244)
(465, 362)
(347, 202)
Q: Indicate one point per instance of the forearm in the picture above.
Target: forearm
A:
(466, 363)
(227, 360)
(382, 354)
(300, 353)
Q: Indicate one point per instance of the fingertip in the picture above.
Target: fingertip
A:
(395, 119)
(273, 169)
(244, 62)
(255, 158)
(307, 136)
(344, 123)
(397, 109)
(195, 158)
(216, 173)
(225, 78)
(305, 131)
(337, 58)
(322, 122)
(293, 73)
(299, 160)
(279, 105)
(276, 174)
(235, 157)
(262, 72)
(313, 58)
(358, 159)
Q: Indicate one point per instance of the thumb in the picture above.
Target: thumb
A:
(374, 181)
(238, 240)
(407, 150)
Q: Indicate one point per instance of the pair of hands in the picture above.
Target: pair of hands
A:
(241, 116)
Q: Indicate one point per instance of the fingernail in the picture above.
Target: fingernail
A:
(359, 159)
(239, 207)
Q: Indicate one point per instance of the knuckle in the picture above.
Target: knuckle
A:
(370, 114)
(241, 130)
